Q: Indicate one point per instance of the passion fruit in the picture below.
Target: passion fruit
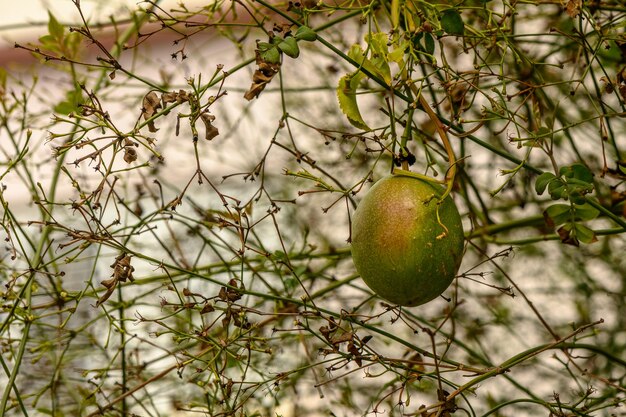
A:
(407, 244)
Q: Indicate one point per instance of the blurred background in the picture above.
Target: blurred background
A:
(243, 298)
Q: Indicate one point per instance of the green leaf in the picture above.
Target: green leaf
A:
(586, 212)
(542, 182)
(271, 55)
(377, 42)
(379, 51)
(557, 189)
(429, 43)
(576, 183)
(577, 197)
(577, 171)
(346, 94)
(585, 234)
(48, 40)
(305, 33)
(64, 107)
(280, 256)
(264, 46)
(358, 55)
(557, 214)
(582, 173)
(72, 43)
(73, 98)
(397, 55)
(54, 27)
(452, 23)
(290, 47)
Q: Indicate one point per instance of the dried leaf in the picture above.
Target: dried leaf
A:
(150, 105)
(573, 7)
(105, 296)
(109, 282)
(182, 96)
(416, 363)
(207, 309)
(229, 294)
(354, 351)
(262, 76)
(344, 337)
(617, 196)
(228, 388)
(211, 131)
(175, 97)
(237, 322)
(325, 331)
(565, 234)
(177, 201)
(122, 269)
(169, 97)
(449, 404)
(130, 154)
(549, 222)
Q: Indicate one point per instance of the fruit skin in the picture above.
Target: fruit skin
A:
(397, 243)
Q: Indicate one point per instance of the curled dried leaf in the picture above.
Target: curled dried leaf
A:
(130, 154)
(342, 338)
(109, 283)
(122, 269)
(355, 351)
(565, 234)
(207, 309)
(325, 331)
(105, 296)
(150, 105)
(169, 97)
(262, 76)
(229, 294)
(177, 201)
(175, 97)
(211, 131)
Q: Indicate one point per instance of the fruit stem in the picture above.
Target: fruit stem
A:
(441, 130)
(451, 173)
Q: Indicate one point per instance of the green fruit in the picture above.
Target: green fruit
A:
(400, 249)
